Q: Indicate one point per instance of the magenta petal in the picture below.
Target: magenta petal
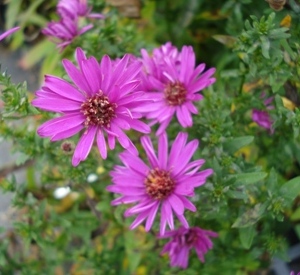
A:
(163, 151)
(67, 133)
(183, 220)
(53, 105)
(134, 163)
(140, 126)
(80, 57)
(141, 207)
(120, 68)
(59, 124)
(184, 117)
(163, 126)
(177, 148)
(91, 71)
(167, 213)
(105, 66)
(176, 204)
(121, 123)
(101, 144)
(63, 88)
(187, 204)
(147, 144)
(85, 29)
(139, 219)
(111, 142)
(84, 146)
(199, 69)
(123, 200)
(189, 150)
(163, 223)
(151, 217)
(8, 32)
(76, 76)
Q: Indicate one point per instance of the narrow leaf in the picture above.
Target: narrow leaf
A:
(250, 217)
(235, 144)
(291, 189)
(249, 178)
(246, 235)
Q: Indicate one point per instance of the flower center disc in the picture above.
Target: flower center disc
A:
(159, 184)
(98, 111)
(175, 93)
(190, 237)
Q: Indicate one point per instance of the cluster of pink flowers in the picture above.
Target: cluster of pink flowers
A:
(109, 97)
(64, 31)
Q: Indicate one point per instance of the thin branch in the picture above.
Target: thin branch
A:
(12, 167)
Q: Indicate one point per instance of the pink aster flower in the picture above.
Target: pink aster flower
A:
(163, 183)
(183, 240)
(75, 8)
(262, 117)
(174, 83)
(64, 32)
(102, 102)
(8, 32)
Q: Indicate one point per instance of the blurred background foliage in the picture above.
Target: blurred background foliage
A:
(252, 200)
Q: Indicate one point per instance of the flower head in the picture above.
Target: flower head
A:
(64, 31)
(163, 183)
(8, 32)
(102, 102)
(174, 82)
(183, 240)
(262, 117)
(75, 8)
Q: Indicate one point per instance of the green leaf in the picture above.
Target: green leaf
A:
(291, 189)
(235, 144)
(265, 46)
(36, 53)
(132, 250)
(246, 236)
(226, 40)
(296, 215)
(249, 178)
(13, 9)
(272, 181)
(297, 230)
(284, 43)
(21, 158)
(250, 217)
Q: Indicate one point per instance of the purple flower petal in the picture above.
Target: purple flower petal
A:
(84, 146)
(63, 88)
(53, 105)
(101, 144)
(163, 151)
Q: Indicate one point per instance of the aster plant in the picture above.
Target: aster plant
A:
(117, 212)
(64, 31)
(173, 81)
(161, 185)
(102, 101)
(185, 239)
